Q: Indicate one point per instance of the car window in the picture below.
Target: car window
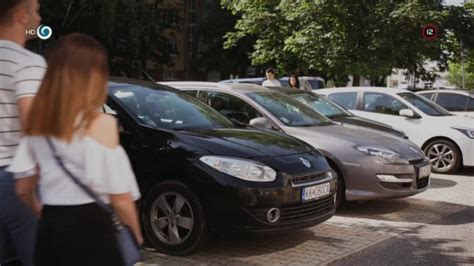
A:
(427, 95)
(470, 105)
(230, 106)
(321, 105)
(193, 93)
(345, 99)
(452, 102)
(106, 109)
(426, 106)
(167, 109)
(288, 110)
(382, 103)
(316, 84)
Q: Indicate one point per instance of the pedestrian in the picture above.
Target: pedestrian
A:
(66, 124)
(294, 82)
(271, 80)
(21, 72)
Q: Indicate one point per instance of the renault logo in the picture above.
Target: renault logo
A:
(305, 162)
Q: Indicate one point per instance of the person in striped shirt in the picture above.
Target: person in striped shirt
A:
(21, 72)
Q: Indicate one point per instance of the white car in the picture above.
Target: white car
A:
(446, 139)
(306, 83)
(460, 102)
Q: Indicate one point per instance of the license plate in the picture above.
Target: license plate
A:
(424, 171)
(315, 192)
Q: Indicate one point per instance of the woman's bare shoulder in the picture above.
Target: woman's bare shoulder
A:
(104, 130)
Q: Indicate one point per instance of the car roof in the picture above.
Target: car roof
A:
(366, 89)
(463, 92)
(235, 87)
(305, 77)
(287, 90)
(117, 82)
(243, 80)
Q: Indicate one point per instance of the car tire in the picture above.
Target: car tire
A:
(444, 155)
(177, 227)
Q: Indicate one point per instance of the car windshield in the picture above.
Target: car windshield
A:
(288, 110)
(426, 106)
(321, 105)
(161, 108)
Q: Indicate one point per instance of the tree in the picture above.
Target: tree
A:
(455, 76)
(130, 30)
(342, 38)
(229, 61)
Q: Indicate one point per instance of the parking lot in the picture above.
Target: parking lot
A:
(424, 226)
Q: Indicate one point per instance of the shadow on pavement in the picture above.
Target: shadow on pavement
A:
(441, 183)
(469, 171)
(420, 245)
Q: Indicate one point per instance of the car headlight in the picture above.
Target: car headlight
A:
(389, 155)
(243, 169)
(469, 132)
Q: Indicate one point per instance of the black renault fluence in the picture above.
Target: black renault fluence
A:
(197, 172)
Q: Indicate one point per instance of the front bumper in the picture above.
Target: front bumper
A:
(372, 178)
(467, 150)
(233, 205)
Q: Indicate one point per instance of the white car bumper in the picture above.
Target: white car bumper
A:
(467, 150)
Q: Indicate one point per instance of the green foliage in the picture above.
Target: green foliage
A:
(455, 75)
(341, 38)
(211, 31)
(129, 29)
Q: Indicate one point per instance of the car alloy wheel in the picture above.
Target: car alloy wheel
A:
(444, 156)
(172, 219)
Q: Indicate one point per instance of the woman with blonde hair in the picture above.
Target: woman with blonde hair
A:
(66, 128)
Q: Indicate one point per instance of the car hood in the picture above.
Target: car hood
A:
(244, 143)
(338, 139)
(367, 123)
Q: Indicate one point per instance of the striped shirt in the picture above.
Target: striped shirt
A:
(21, 73)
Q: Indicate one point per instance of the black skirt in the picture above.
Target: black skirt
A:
(76, 235)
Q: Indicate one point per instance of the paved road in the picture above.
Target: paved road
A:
(435, 227)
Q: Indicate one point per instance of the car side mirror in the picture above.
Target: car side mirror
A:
(407, 113)
(260, 122)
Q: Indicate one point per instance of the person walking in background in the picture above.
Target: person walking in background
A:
(294, 82)
(21, 72)
(271, 80)
(73, 229)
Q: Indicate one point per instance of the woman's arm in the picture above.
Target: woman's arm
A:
(26, 190)
(127, 212)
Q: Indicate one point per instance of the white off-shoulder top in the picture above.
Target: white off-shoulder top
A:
(106, 171)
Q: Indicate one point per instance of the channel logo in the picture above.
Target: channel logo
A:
(43, 32)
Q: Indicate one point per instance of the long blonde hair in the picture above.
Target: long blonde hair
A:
(74, 87)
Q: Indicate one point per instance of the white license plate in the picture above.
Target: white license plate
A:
(424, 171)
(315, 192)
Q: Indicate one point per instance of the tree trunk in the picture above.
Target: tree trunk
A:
(356, 81)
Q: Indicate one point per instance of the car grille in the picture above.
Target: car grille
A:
(422, 182)
(297, 213)
(303, 180)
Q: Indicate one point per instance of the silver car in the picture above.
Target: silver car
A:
(370, 165)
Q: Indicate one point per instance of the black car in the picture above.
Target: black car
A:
(197, 172)
(337, 113)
